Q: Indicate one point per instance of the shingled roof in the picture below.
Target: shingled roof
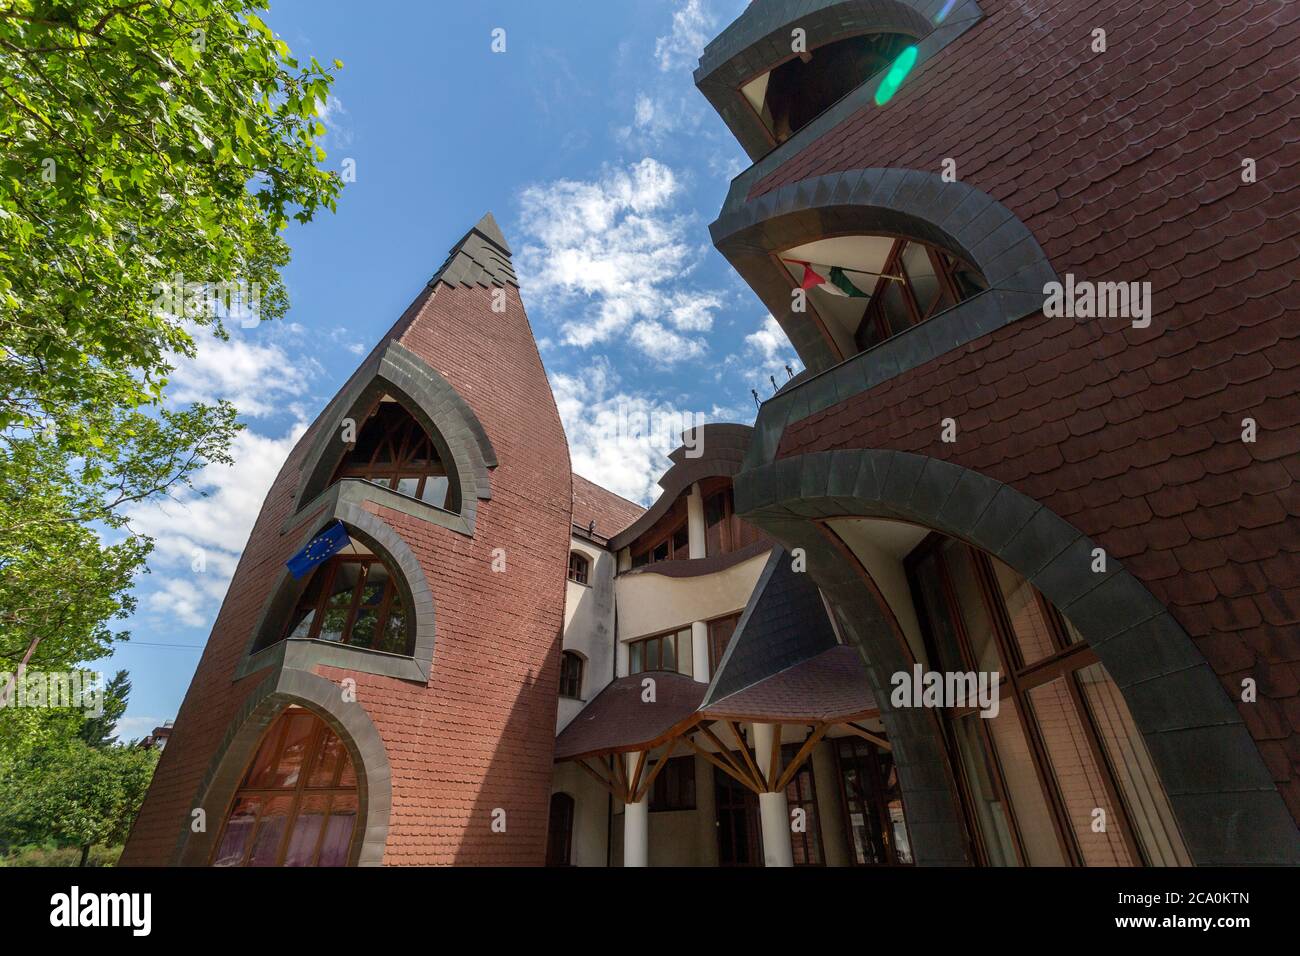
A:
(480, 258)
(618, 720)
(610, 513)
(829, 687)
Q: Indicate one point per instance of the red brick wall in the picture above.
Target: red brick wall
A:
(1126, 166)
(480, 735)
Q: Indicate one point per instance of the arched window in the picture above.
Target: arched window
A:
(1062, 754)
(570, 675)
(393, 450)
(297, 802)
(795, 93)
(353, 599)
(579, 568)
(867, 288)
(559, 831)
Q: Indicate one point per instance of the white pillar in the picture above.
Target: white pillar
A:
(695, 522)
(773, 808)
(636, 824)
(700, 651)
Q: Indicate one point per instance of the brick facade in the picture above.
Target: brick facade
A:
(1125, 166)
(480, 735)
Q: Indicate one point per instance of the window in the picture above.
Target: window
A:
(865, 288)
(672, 545)
(393, 450)
(720, 631)
(801, 794)
(579, 567)
(793, 94)
(917, 282)
(1063, 743)
(559, 831)
(724, 531)
(674, 787)
(570, 675)
(297, 802)
(353, 599)
(663, 652)
(873, 804)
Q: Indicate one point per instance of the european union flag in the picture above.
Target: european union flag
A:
(331, 540)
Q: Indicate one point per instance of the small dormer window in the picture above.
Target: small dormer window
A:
(793, 94)
(393, 450)
(867, 288)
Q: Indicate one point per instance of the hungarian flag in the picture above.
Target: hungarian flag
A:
(832, 279)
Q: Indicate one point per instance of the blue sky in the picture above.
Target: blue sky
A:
(604, 166)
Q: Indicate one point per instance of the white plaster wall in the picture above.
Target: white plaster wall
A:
(886, 568)
(589, 627)
(590, 810)
(651, 603)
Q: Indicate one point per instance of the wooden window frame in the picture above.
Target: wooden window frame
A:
(734, 616)
(329, 571)
(296, 794)
(565, 658)
(582, 574)
(404, 437)
(658, 638)
(945, 267)
(866, 758)
(813, 850)
(644, 553)
(1017, 680)
(571, 812)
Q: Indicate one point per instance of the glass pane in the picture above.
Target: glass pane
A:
(1077, 776)
(636, 662)
(306, 832)
(897, 316)
(435, 491)
(302, 629)
(685, 655)
(660, 552)
(298, 733)
(920, 271)
(372, 596)
(942, 629)
(652, 655)
(328, 758)
(989, 812)
(966, 588)
(396, 638)
(270, 828)
(238, 830)
(681, 544)
(260, 770)
(408, 486)
(969, 282)
(339, 603)
(338, 831)
(669, 652)
(1033, 818)
(1148, 806)
(1033, 638)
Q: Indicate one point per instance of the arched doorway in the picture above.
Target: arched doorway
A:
(297, 802)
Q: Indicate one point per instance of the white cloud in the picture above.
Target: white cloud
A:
(619, 246)
(200, 532)
(257, 377)
(768, 340)
(134, 728)
(693, 27)
(616, 439)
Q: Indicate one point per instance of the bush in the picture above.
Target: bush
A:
(60, 856)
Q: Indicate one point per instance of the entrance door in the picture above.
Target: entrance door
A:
(559, 833)
(739, 839)
(873, 804)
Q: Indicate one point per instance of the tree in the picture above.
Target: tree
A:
(150, 155)
(98, 732)
(76, 795)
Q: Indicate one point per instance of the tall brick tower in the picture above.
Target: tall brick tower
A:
(396, 704)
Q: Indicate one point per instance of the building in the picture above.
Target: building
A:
(1008, 575)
